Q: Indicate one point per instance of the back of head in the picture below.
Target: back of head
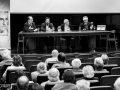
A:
(53, 75)
(76, 63)
(105, 58)
(117, 84)
(22, 83)
(98, 63)
(88, 71)
(61, 57)
(83, 85)
(55, 53)
(6, 54)
(17, 60)
(68, 76)
(41, 68)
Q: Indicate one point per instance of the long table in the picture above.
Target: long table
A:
(72, 33)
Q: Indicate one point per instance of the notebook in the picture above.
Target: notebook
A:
(101, 27)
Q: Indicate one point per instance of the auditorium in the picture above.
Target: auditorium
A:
(59, 45)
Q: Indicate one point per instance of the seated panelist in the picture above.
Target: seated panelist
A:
(29, 26)
(47, 26)
(66, 27)
(84, 27)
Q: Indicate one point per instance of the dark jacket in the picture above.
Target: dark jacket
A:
(87, 26)
(27, 25)
(43, 26)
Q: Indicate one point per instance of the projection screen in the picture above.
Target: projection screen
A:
(65, 6)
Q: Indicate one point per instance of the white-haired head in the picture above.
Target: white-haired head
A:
(105, 58)
(66, 21)
(83, 85)
(41, 68)
(55, 53)
(117, 84)
(98, 63)
(76, 63)
(53, 74)
(6, 54)
(88, 71)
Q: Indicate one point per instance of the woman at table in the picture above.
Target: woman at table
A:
(66, 27)
(29, 26)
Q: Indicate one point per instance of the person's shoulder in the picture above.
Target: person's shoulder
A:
(43, 23)
(67, 64)
(34, 73)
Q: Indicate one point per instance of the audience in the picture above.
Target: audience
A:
(17, 65)
(105, 58)
(88, 73)
(83, 85)
(99, 64)
(53, 77)
(117, 84)
(54, 56)
(76, 63)
(61, 61)
(41, 69)
(6, 56)
(68, 84)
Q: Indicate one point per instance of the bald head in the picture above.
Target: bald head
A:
(55, 53)
(22, 82)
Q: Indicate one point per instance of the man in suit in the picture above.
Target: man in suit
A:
(66, 27)
(92, 39)
(47, 26)
(29, 26)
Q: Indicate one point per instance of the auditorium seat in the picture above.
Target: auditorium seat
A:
(61, 70)
(68, 56)
(33, 68)
(25, 58)
(115, 71)
(101, 88)
(91, 60)
(12, 77)
(114, 60)
(117, 55)
(108, 80)
(50, 64)
(44, 57)
(42, 78)
(85, 56)
(29, 63)
(101, 73)
(28, 74)
(109, 66)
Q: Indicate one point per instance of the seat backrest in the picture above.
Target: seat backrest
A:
(91, 60)
(49, 86)
(50, 64)
(108, 80)
(114, 60)
(44, 57)
(101, 73)
(12, 77)
(85, 56)
(25, 58)
(61, 70)
(29, 63)
(33, 68)
(101, 88)
(109, 66)
(115, 71)
(68, 56)
(28, 74)
(42, 78)
(20, 35)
